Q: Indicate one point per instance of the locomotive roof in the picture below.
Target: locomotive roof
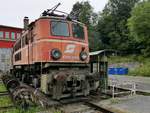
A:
(50, 17)
(57, 18)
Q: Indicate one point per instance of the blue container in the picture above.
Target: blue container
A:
(111, 71)
(117, 71)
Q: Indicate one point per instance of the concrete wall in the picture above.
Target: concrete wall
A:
(5, 59)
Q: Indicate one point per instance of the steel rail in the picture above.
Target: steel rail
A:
(96, 107)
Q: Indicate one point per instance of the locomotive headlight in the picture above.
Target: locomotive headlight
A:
(56, 54)
(83, 55)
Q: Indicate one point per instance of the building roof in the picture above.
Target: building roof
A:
(105, 51)
(10, 27)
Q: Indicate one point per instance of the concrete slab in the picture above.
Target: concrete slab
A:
(142, 83)
(129, 104)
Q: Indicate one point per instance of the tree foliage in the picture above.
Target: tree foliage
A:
(139, 25)
(112, 24)
(83, 12)
(122, 25)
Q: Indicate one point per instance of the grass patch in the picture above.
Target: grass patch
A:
(142, 70)
(5, 101)
(32, 110)
(19, 110)
(121, 59)
(2, 87)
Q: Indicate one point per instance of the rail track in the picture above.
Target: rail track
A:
(25, 96)
(84, 106)
(98, 108)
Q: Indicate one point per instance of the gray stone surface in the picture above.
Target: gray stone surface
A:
(142, 83)
(130, 104)
(5, 59)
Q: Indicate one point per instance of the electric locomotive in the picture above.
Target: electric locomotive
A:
(52, 54)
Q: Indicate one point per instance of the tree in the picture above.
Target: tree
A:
(83, 12)
(112, 25)
(139, 25)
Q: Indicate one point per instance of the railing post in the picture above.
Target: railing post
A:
(113, 92)
(134, 88)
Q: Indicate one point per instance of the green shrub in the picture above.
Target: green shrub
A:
(142, 70)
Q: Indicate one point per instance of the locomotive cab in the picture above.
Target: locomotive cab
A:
(52, 54)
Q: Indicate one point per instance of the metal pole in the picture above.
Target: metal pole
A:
(41, 68)
(98, 64)
(113, 91)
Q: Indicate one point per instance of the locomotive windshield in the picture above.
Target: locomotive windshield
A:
(59, 28)
(78, 31)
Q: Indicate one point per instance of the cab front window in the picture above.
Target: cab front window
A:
(59, 28)
(78, 31)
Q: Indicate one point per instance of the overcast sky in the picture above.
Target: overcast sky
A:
(12, 12)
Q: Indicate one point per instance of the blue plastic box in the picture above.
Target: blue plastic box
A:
(118, 71)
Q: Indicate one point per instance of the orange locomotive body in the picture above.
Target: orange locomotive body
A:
(53, 54)
(48, 34)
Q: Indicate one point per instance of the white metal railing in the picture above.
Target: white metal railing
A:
(116, 84)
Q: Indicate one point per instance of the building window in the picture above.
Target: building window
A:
(18, 35)
(1, 34)
(7, 35)
(12, 35)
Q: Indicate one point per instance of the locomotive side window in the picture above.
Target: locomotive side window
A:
(18, 45)
(26, 40)
(23, 41)
(18, 56)
(78, 31)
(59, 28)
